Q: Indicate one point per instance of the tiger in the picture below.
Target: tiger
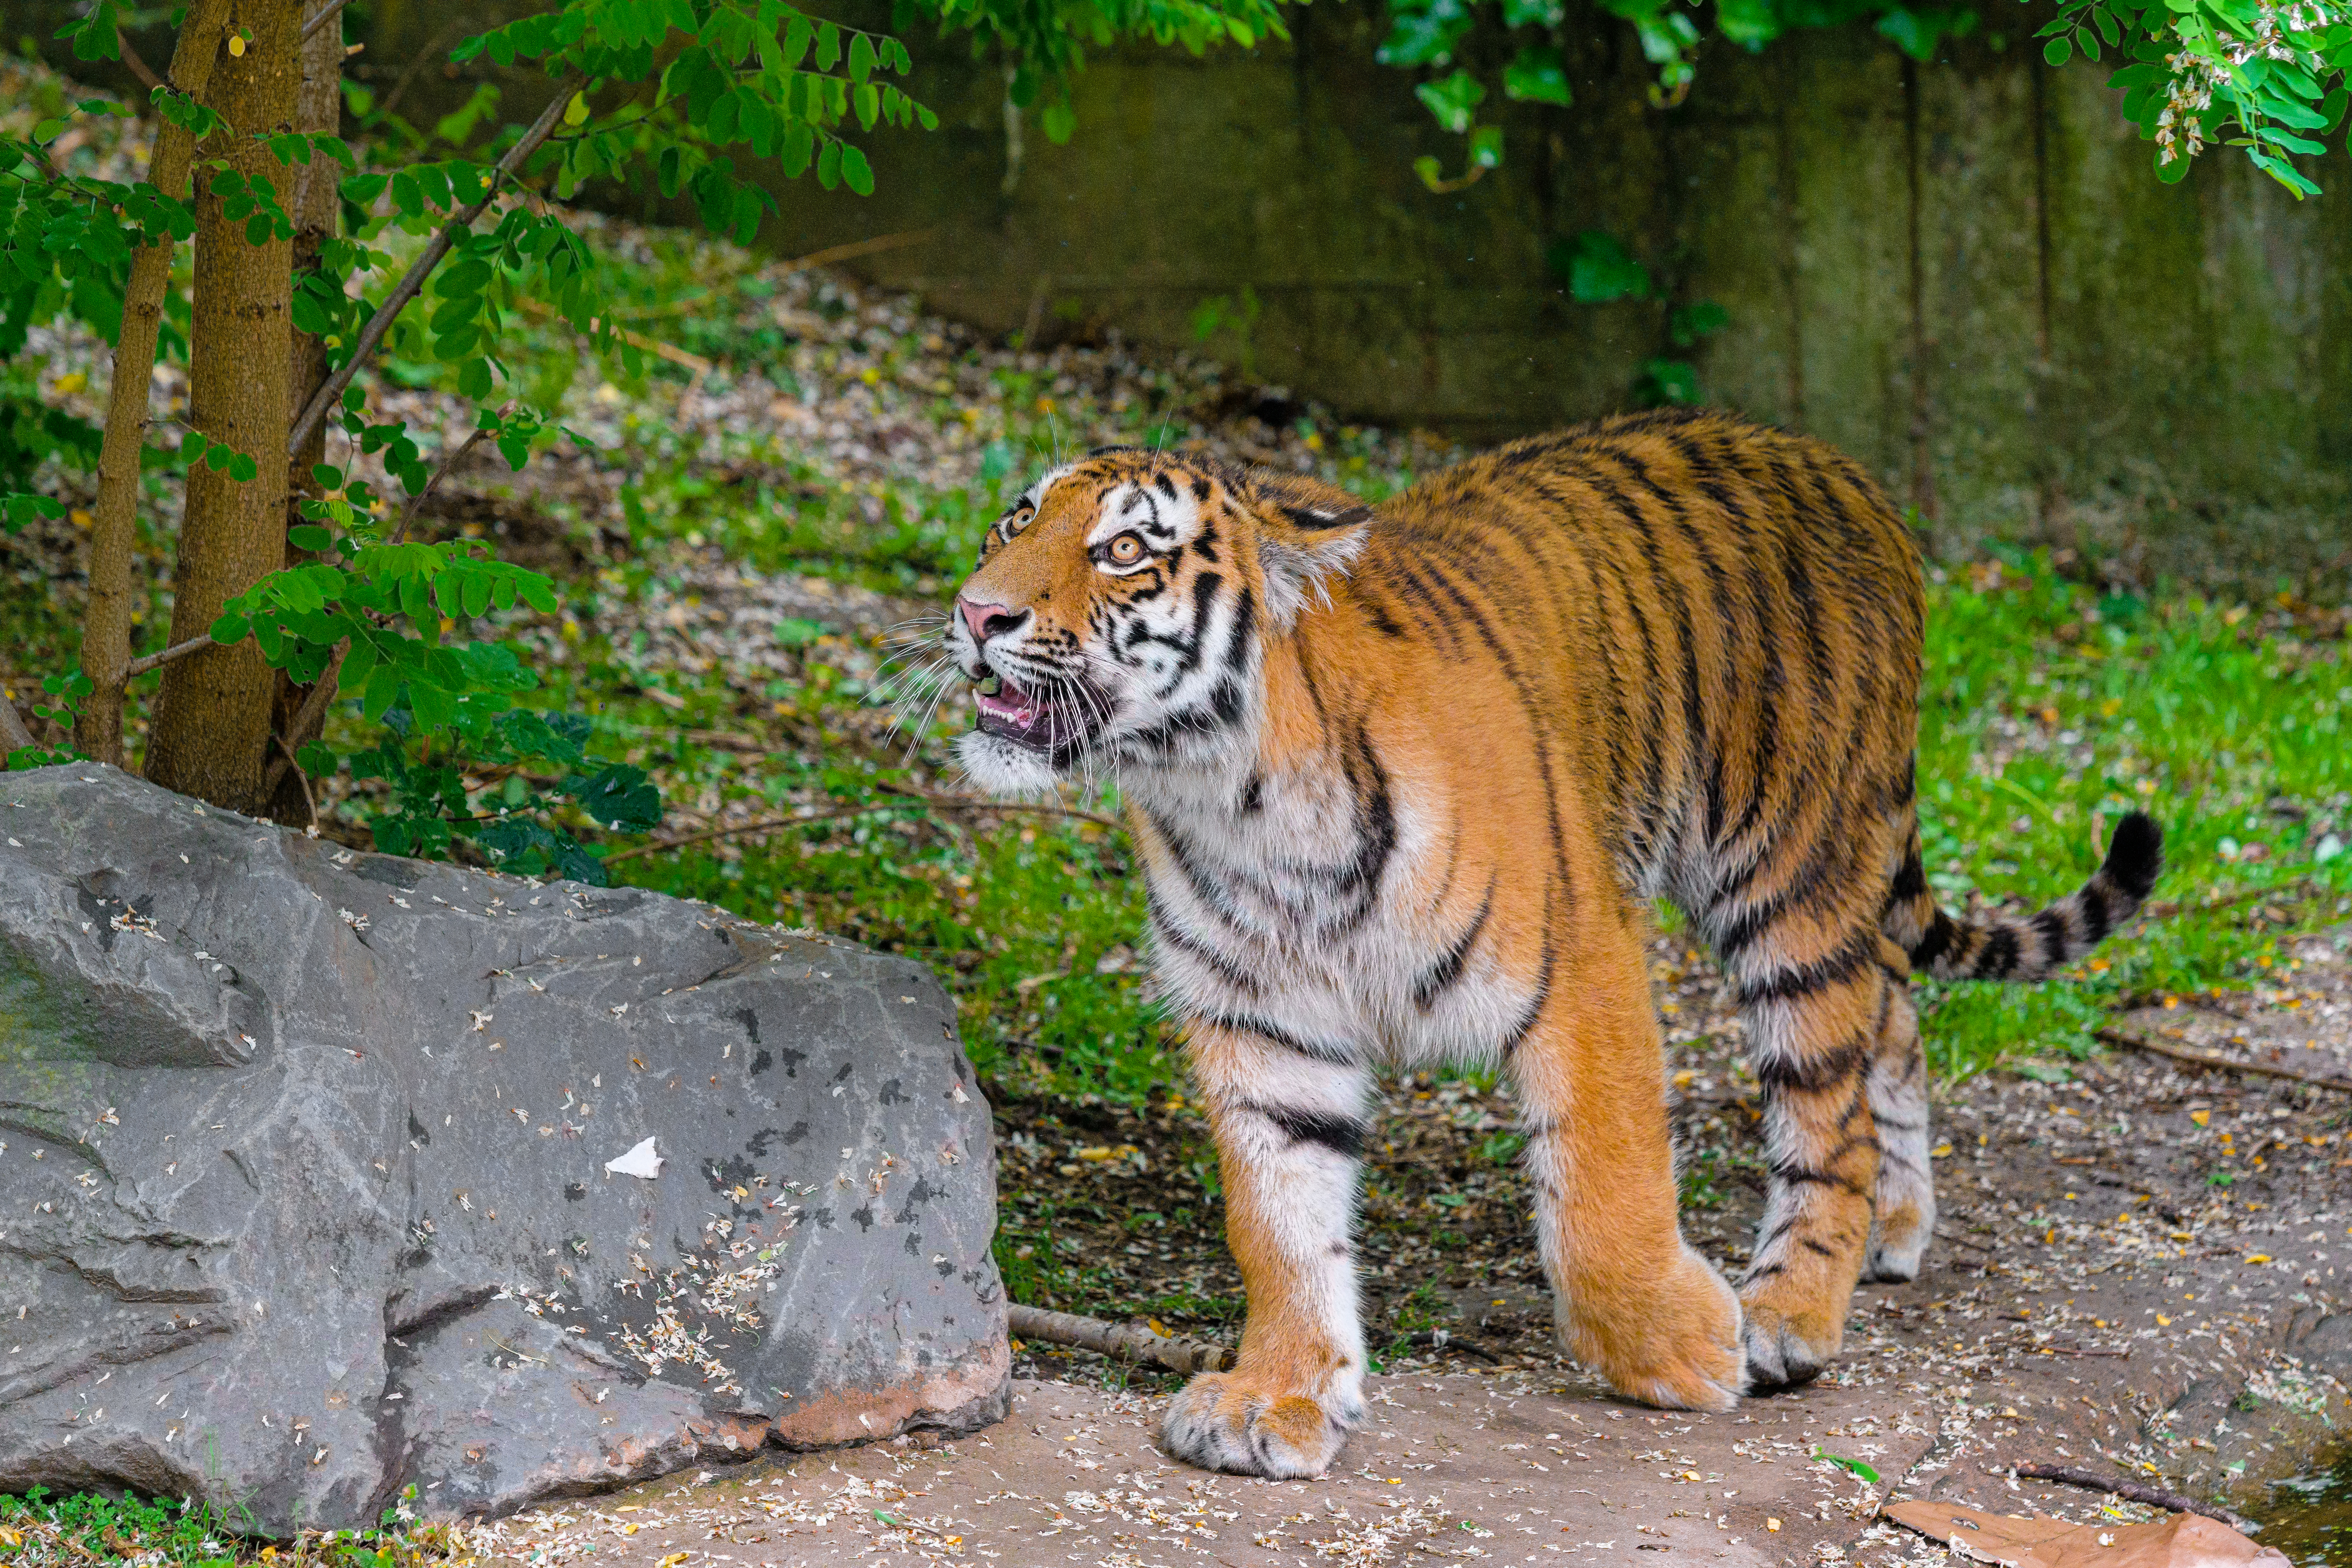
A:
(1406, 782)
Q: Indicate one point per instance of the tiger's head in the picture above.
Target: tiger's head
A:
(1121, 605)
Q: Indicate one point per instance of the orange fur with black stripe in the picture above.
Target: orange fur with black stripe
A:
(1401, 780)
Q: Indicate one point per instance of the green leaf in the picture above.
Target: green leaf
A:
(1853, 1467)
(310, 537)
(855, 172)
(2057, 51)
(243, 469)
(232, 629)
(1692, 322)
(1537, 76)
(1598, 270)
(828, 165)
(861, 58)
(1451, 99)
(1058, 120)
(620, 796)
(357, 665)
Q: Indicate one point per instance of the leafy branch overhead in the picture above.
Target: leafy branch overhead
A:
(2266, 78)
(465, 219)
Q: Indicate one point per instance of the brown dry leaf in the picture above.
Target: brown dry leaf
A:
(2176, 1540)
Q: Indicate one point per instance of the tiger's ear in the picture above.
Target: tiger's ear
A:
(1308, 532)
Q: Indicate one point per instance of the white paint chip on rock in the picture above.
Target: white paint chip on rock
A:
(640, 1161)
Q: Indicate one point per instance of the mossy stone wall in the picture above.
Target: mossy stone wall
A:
(1963, 273)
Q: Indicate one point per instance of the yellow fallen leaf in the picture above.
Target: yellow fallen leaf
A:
(674, 1559)
(73, 381)
(2162, 1321)
(2258, 1258)
(2198, 1117)
(1098, 1152)
(236, 43)
(628, 1530)
(1773, 1525)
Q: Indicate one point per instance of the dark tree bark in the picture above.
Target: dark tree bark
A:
(318, 107)
(106, 626)
(210, 734)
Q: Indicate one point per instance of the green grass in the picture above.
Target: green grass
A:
(2229, 725)
(38, 1531)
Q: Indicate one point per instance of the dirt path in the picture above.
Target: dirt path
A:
(2139, 1270)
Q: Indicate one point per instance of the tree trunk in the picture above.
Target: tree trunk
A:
(113, 530)
(319, 108)
(211, 719)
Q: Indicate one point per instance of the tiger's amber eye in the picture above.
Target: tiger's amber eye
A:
(1126, 549)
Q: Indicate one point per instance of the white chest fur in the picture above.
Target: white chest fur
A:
(1325, 912)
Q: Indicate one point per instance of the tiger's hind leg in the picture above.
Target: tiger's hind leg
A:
(1902, 1204)
(1289, 1128)
(1815, 1021)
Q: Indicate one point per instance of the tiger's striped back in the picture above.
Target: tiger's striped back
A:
(1402, 779)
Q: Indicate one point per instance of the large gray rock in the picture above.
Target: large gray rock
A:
(303, 1185)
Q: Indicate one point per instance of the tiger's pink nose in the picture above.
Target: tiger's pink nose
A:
(987, 620)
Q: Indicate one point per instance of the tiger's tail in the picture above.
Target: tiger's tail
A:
(2027, 947)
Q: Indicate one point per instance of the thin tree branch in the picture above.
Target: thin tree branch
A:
(138, 67)
(324, 14)
(106, 621)
(2223, 1064)
(413, 281)
(172, 654)
(856, 247)
(449, 460)
(2133, 1491)
(277, 771)
(321, 692)
(1124, 1342)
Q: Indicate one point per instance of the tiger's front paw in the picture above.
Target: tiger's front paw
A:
(1674, 1344)
(1222, 1421)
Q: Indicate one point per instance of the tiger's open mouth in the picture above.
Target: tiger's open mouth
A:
(1027, 719)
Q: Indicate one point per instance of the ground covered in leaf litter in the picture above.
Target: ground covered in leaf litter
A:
(2141, 1270)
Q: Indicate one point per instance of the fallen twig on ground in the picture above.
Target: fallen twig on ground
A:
(1446, 1339)
(2300, 887)
(973, 803)
(765, 824)
(939, 802)
(2132, 1491)
(2225, 1064)
(1126, 1341)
